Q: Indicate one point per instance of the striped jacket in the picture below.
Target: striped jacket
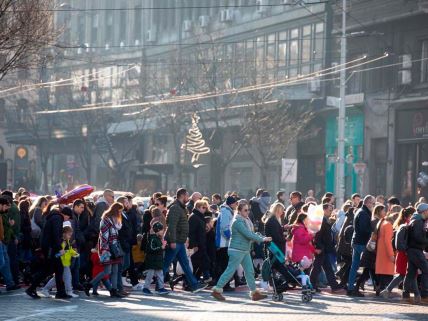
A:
(108, 235)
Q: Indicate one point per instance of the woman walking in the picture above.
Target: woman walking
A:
(401, 259)
(239, 253)
(109, 249)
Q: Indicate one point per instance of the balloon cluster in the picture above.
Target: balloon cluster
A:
(422, 179)
(315, 217)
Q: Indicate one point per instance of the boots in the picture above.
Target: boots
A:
(115, 294)
(257, 296)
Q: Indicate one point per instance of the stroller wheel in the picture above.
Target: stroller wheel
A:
(310, 296)
(276, 297)
(306, 298)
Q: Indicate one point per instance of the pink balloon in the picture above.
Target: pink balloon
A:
(76, 193)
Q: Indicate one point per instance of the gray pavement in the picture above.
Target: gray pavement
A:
(200, 307)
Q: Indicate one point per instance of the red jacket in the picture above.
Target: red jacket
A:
(97, 267)
(302, 243)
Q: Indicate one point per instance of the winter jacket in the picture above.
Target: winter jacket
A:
(99, 210)
(197, 234)
(154, 253)
(256, 212)
(69, 253)
(78, 234)
(288, 212)
(126, 234)
(302, 243)
(26, 240)
(384, 249)
(132, 215)
(1, 229)
(368, 258)
(178, 226)
(7, 228)
(274, 230)
(108, 236)
(38, 217)
(242, 237)
(15, 215)
(52, 233)
(343, 247)
(337, 226)
(223, 227)
(418, 238)
(323, 240)
(401, 261)
(362, 227)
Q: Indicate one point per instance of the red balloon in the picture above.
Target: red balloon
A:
(76, 193)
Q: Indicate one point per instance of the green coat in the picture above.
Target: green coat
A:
(15, 215)
(154, 253)
(8, 230)
(242, 236)
(178, 225)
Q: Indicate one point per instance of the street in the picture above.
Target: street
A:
(199, 307)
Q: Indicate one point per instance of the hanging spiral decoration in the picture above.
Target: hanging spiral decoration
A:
(195, 143)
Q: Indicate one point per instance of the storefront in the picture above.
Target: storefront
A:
(411, 153)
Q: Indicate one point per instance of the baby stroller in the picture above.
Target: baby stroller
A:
(280, 282)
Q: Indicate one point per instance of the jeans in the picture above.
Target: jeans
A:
(123, 266)
(75, 272)
(5, 268)
(237, 258)
(357, 250)
(66, 278)
(322, 261)
(180, 253)
(395, 282)
(149, 278)
(12, 251)
(111, 270)
(416, 260)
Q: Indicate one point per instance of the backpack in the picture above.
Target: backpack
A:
(36, 231)
(402, 237)
(348, 233)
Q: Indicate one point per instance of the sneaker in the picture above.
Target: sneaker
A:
(95, 293)
(257, 296)
(72, 295)
(87, 287)
(13, 288)
(79, 288)
(355, 293)
(385, 294)
(45, 293)
(162, 291)
(417, 299)
(218, 296)
(32, 293)
(138, 287)
(125, 282)
(64, 296)
(199, 288)
(147, 291)
(123, 292)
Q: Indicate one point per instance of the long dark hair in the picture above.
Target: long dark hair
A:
(114, 211)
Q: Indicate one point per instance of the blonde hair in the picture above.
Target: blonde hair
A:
(274, 208)
(201, 203)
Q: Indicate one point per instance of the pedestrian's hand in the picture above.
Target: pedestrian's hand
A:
(62, 252)
(317, 251)
(11, 222)
(173, 245)
(267, 239)
(195, 249)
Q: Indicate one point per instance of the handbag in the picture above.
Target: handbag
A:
(116, 250)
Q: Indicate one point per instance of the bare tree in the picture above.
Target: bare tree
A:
(26, 28)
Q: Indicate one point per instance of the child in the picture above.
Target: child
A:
(154, 258)
(97, 268)
(66, 254)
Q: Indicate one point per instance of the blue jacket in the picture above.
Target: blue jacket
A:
(362, 226)
(222, 231)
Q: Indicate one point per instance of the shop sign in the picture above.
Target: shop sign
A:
(412, 124)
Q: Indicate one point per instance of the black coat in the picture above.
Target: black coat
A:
(126, 233)
(344, 248)
(99, 210)
(368, 259)
(154, 253)
(52, 233)
(26, 231)
(197, 233)
(133, 218)
(362, 227)
(323, 240)
(418, 238)
(274, 230)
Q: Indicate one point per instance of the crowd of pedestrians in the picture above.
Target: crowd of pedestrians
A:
(210, 242)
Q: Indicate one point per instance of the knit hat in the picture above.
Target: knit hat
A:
(231, 200)
(66, 224)
(265, 194)
(158, 226)
(422, 208)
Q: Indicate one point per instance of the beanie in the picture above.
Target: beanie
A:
(231, 200)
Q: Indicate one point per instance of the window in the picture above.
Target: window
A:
(81, 29)
(94, 29)
(271, 56)
(109, 27)
(138, 13)
(282, 49)
(122, 26)
(424, 61)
